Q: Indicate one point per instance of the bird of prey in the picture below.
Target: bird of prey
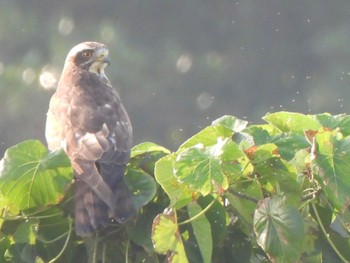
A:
(86, 119)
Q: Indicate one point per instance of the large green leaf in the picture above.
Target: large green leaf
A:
(245, 208)
(166, 237)
(147, 147)
(332, 155)
(145, 155)
(260, 133)
(26, 232)
(231, 122)
(201, 171)
(141, 232)
(289, 145)
(278, 175)
(22, 253)
(238, 249)
(179, 193)
(279, 229)
(261, 153)
(207, 137)
(5, 243)
(292, 122)
(341, 121)
(54, 224)
(226, 150)
(31, 176)
(217, 218)
(232, 159)
(202, 231)
(142, 186)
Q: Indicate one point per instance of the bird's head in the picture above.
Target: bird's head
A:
(91, 56)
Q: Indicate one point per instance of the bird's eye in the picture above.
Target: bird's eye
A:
(87, 54)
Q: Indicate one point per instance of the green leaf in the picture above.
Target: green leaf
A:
(260, 133)
(327, 253)
(147, 147)
(278, 175)
(179, 193)
(142, 187)
(200, 171)
(145, 155)
(53, 160)
(243, 139)
(341, 122)
(227, 150)
(5, 243)
(207, 137)
(8, 210)
(217, 218)
(231, 123)
(232, 159)
(26, 232)
(279, 229)
(332, 155)
(238, 249)
(289, 145)
(292, 122)
(166, 237)
(202, 231)
(301, 162)
(310, 230)
(245, 208)
(53, 224)
(30, 176)
(21, 253)
(261, 153)
(141, 232)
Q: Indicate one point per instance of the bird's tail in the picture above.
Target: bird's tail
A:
(124, 208)
(90, 212)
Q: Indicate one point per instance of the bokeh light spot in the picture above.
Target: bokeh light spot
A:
(65, 26)
(184, 63)
(28, 76)
(47, 79)
(214, 59)
(2, 68)
(107, 34)
(204, 101)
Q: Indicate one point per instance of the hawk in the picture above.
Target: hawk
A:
(86, 119)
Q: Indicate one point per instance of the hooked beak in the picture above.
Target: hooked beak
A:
(107, 60)
(101, 61)
(102, 56)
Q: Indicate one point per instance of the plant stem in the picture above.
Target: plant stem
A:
(198, 215)
(94, 254)
(327, 235)
(65, 243)
(104, 249)
(127, 251)
(244, 196)
(55, 239)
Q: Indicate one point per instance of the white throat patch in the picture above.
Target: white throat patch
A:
(98, 68)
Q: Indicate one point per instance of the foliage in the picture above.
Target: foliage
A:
(234, 192)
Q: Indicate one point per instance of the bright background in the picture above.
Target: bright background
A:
(178, 64)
